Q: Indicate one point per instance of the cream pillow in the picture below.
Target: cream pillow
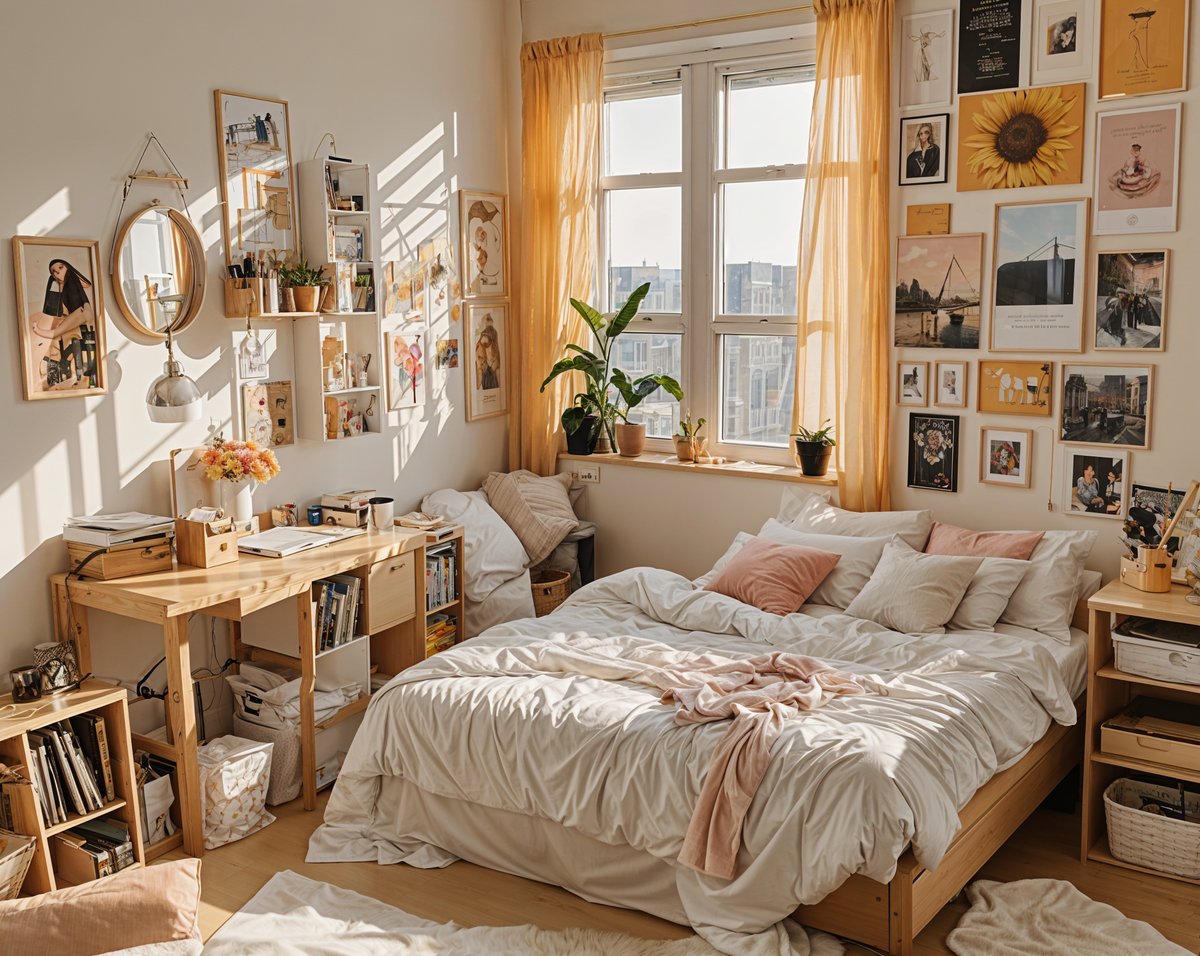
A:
(1045, 599)
(537, 509)
(739, 542)
(859, 557)
(911, 592)
(988, 594)
(821, 517)
(791, 500)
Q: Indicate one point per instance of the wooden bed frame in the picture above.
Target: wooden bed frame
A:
(889, 916)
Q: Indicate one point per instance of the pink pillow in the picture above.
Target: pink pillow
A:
(952, 540)
(774, 577)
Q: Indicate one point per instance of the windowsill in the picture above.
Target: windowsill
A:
(740, 469)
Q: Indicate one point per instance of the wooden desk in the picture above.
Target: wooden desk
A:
(230, 592)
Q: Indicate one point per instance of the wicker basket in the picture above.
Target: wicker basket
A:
(1147, 839)
(16, 853)
(550, 589)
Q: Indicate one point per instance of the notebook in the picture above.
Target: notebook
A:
(280, 542)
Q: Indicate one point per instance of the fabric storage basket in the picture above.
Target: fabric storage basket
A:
(1147, 839)
(234, 776)
(1157, 659)
(285, 757)
(550, 589)
(16, 853)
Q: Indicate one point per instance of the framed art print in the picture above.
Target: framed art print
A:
(1094, 482)
(1131, 300)
(1137, 170)
(1143, 47)
(1005, 456)
(486, 371)
(950, 384)
(933, 451)
(254, 154)
(268, 413)
(1015, 388)
(1062, 41)
(931, 219)
(989, 45)
(912, 384)
(937, 291)
(923, 152)
(406, 368)
(483, 221)
(1038, 280)
(60, 317)
(1106, 405)
(927, 59)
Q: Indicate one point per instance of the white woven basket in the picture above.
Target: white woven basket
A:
(1147, 839)
(16, 853)
(285, 760)
(1157, 659)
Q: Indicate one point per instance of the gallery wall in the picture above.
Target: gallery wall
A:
(415, 90)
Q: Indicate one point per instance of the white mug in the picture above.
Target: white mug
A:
(382, 511)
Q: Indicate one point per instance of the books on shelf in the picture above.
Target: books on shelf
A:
(11, 780)
(338, 606)
(441, 633)
(71, 769)
(91, 850)
(440, 576)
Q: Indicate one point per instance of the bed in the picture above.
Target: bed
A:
(873, 813)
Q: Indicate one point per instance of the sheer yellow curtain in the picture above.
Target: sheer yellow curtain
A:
(562, 86)
(842, 341)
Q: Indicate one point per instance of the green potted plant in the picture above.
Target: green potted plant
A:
(813, 448)
(603, 379)
(305, 283)
(581, 427)
(688, 442)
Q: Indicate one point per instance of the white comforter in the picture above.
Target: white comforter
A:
(849, 786)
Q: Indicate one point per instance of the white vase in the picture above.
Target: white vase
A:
(237, 498)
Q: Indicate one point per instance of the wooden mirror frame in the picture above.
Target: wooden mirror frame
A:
(195, 250)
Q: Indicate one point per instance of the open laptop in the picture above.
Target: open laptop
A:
(281, 542)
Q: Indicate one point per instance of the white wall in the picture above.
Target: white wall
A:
(414, 89)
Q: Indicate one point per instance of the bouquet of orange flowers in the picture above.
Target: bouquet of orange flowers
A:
(237, 461)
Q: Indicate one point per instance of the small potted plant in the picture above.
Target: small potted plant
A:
(688, 442)
(305, 283)
(813, 448)
(581, 427)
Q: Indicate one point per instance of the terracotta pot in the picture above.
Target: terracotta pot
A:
(287, 300)
(307, 297)
(631, 439)
(685, 449)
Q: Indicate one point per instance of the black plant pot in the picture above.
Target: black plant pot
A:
(814, 457)
(583, 439)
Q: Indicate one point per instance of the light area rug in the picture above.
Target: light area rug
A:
(292, 914)
(1039, 917)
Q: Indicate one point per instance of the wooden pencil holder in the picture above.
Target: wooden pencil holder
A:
(243, 297)
(206, 544)
(1151, 571)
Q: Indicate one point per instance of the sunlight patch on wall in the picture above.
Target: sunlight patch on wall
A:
(53, 212)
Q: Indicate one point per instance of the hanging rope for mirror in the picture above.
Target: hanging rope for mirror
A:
(175, 178)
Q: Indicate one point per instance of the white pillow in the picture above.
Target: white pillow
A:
(1045, 599)
(911, 592)
(735, 546)
(793, 499)
(821, 517)
(859, 557)
(493, 553)
(988, 594)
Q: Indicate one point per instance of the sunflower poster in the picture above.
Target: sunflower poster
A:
(1028, 137)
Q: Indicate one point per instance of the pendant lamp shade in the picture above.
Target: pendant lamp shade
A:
(173, 396)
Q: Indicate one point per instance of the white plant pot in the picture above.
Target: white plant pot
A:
(237, 498)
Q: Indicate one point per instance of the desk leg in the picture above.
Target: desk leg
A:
(308, 687)
(71, 624)
(181, 711)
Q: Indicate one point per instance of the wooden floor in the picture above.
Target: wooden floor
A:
(1046, 846)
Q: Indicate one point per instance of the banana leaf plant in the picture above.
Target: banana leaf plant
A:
(603, 379)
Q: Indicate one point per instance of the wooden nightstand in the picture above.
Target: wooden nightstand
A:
(1110, 691)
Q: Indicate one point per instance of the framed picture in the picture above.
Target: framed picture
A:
(1143, 47)
(932, 219)
(912, 384)
(933, 451)
(1018, 138)
(254, 154)
(406, 368)
(950, 384)
(1106, 405)
(1005, 456)
(927, 59)
(486, 362)
(447, 354)
(923, 152)
(1147, 517)
(1137, 170)
(989, 45)
(1015, 388)
(60, 316)
(1131, 300)
(1062, 41)
(1094, 483)
(268, 413)
(398, 288)
(483, 220)
(1038, 284)
(937, 291)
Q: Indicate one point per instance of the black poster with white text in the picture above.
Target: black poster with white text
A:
(989, 45)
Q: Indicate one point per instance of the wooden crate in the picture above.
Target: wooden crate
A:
(121, 560)
(206, 544)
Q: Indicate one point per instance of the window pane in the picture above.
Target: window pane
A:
(643, 231)
(768, 119)
(643, 353)
(758, 378)
(643, 134)
(761, 243)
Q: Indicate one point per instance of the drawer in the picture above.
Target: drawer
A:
(391, 592)
(1158, 731)
(1161, 750)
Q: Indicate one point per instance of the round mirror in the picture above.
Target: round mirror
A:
(158, 270)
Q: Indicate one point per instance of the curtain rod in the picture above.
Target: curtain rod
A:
(729, 18)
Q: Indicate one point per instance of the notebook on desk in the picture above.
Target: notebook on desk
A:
(281, 542)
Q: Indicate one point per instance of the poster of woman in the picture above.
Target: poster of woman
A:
(1095, 484)
(1137, 170)
(486, 352)
(921, 149)
(60, 310)
(483, 222)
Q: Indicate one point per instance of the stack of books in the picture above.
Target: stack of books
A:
(71, 768)
(441, 633)
(421, 520)
(339, 601)
(440, 587)
(91, 850)
(104, 531)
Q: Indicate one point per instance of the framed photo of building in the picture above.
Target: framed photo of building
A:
(60, 317)
(1005, 456)
(1137, 170)
(1094, 482)
(483, 222)
(1143, 47)
(924, 155)
(1106, 405)
(937, 285)
(485, 359)
(933, 452)
(1062, 41)
(1009, 387)
(1131, 300)
(950, 384)
(927, 59)
(1038, 280)
(912, 384)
